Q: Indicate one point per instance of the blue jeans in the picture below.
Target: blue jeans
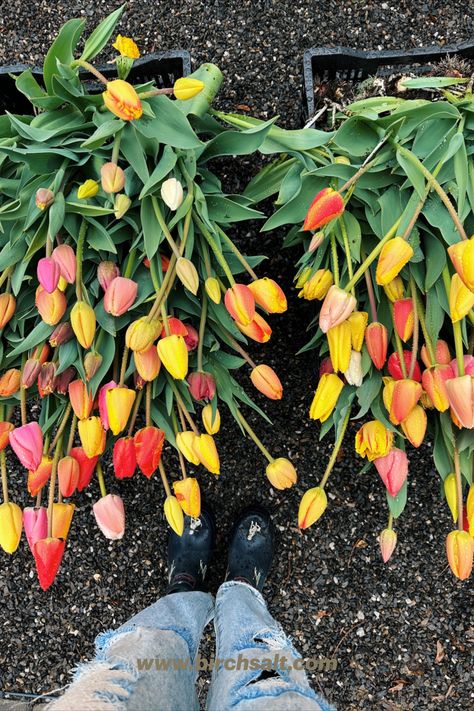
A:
(150, 663)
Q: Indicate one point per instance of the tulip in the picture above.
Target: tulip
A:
(317, 286)
(462, 257)
(92, 363)
(68, 476)
(461, 399)
(470, 509)
(336, 308)
(40, 476)
(406, 394)
(395, 369)
(281, 473)
(92, 436)
(187, 274)
(165, 263)
(7, 308)
(41, 353)
(257, 330)
(127, 47)
(112, 178)
(414, 426)
(106, 273)
(213, 289)
(434, 382)
(192, 337)
(373, 440)
(202, 386)
(174, 514)
(104, 418)
(119, 402)
(339, 339)
(387, 543)
(61, 381)
(62, 519)
(460, 551)
(46, 379)
(403, 318)
(147, 363)
(316, 241)
(395, 289)
(121, 205)
(141, 333)
(122, 100)
(174, 356)
(120, 296)
(81, 399)
(212, 424)
(27, 443)
(10, 382)
(175, 326)
(51, 307)
(266, 381)
(172, 193)
(11, 523)
(269, 295)
(185, 442)
(393, 257)
(240, 303)
(353, 374)
(65, 258)
(326, 206)
(358, 323)
(48, 553)
(44, 198)
(188, 494)
(186, 87)
(393, 470)
(35, 523)
(468, 366)
(325, 366)
(124, 458)
(48, 274)
(148, 447)
(5, 429)
(376, 340)
(326, 396)
(30, 372)
(83, 323)
(442, 354)
(461, 299)
(88, 189)
(109, 514)
(302, 277)
(450, 492)
(312, 506)
(205, 449)
(61, 334)
(86, 466)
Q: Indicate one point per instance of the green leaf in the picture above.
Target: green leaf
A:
(101, 35)
(56, 214)
(461, 172)
(434, 315)
(152, 232)
(169, 125)
(105, 131)
(432, 82)
(268, 180)
(367, 393)
(356, 136)
(413, 173)
(88, 210)
(295, 210)
(134, 152)
(397, 503)
(435, 261)
(98, 237)
(62, 50)
(164, 166)
(223, 209)
(27, 85)
(236, 143)
(200, 104)
(39, 333)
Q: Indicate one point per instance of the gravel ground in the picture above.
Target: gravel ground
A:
(402, 634)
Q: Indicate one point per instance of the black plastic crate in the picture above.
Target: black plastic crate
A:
(163, 67)
(328, 63)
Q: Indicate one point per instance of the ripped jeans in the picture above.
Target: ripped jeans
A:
(150, 663)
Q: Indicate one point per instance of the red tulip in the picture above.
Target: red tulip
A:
(326, 206)
(395, 369)
(124, 458)
(175, 327)
(202, 386)
(68, 475)
(192, 337)
(86, 467)
(403, 318)
(148, 446)
(376, 340)
(48, 553)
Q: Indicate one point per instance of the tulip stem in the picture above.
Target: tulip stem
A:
(148, 405)
(169, 277)
(72, 432)
(371, 295)
(123, 368)
(116, 148)
(130, 263)
(254, 437)
(368, 163)
(416, 328)
(155, 92)
(347, 250)
(134, 414)
(390, 521)
(426, 336)
(456, 327)
(237, 253)
(3, 464)
(164, 227)
(182, 405)
(372, 256)
(79, 258)
(24, 418)
(335, 451)
(398, 343)
(237, 347)
(215, 248)
(60, 429)
(457, 469)
(5, 274)
(100, 477)
(202, 328)
(52, 484)
(164, 478)
(38, 499)
(335, 262)
(90, 68)
(174, 420)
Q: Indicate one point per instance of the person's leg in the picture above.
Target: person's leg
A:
(149, 662)
(249, 638)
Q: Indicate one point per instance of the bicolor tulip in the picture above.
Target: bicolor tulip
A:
(35, 523)
(5, 429)
(326, 396)
(406, 393)
(442, 354)
(205, 449)
(354, 374)
(213, 289)
(462, 257)
(202, 386)
(461, 399)
(450, 492)
(44, 198)
(124, 458)
(92, 363)
(468, 366)
(434, 383)
(48, 554)
(122, 100)
(88, 189)
(30, 372)
(81, 399)
(92, 436)
(47, 379)
(387, 543)
(65, 257)
(403, 318)
(395, 369)
(83, 323)
(358, 322)
(393, 470)
(281, 473)
(185, 88)
(461, 299)
(266, 381)
(414, 426)
(191, 338)
(40, 476)
(106, 273)
(109, 513)
(317, 286)
(316, 241)
(122, 205)
(188, 494)
(62, 519)
(373, 440)
(460, 552)
(51, 307)
(212, 424)
(339, 340)
(376, 340)
(172, 193)
(10, 382)
(48, 274)
(148, 447)
(27, 443)
(41, 353)
(174, 514)
(127, 47)
(240, 303)
(174, 356)
(112, 178)
(147, 363)
(269, 295)
(119, 402)
(120, 295)
(326, 206)
(187, 274)
(68, 476)
(61, 334)
(11, 524)
(61, 381)
(86, 466)
(312, 506)
(7, 308)
(185, 444)
(336, 308)
(395, 289)
(141, 333)
(257, 330)
(394, 255)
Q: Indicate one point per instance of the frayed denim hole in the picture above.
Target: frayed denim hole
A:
(265, 674)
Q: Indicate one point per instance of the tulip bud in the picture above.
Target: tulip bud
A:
(48, 554)
(326, 206)
(41, 353)
(172, 193)
(326, 396)
(61, 381)
(92, 363)
(461, 299)
(10, 382)
(141, 333)
(461, 399)
(68, 476)
(414, 426)
(187, 87)
(112, 178)
(81, 399)
(27, 443)
(434, 382)
(174, 356)
(339, 340)
(202, 386)
(124, 458)
(120, 296)
(65, 258)
(11, 523)
(106, 273)
(312, 506)
(281, 473)
(395, 289)
(119, 402)
(92, 436)
(109, 513)
(35, 523)
(7, 308)
(83, 323)
(44, 198)
(376, 340)
(316, 241)
(185, 442)
(336, 308)
(302, 277)
(395, 369)
(205, 449)
(387, 542)
(122, 100)
(174, 514)
(51, 307)
(240, 303)
(149, 443)
(460, 551)
(147, 363)
(373, 440)
(40, 476)
(48, 274)
(406, 394)
(47, 379)
(121, 205)
(267, 382)
(188, 495)
(317, 286)
(30, 372)
(102, 401)
(353, 374)
(462, 257)
(213, 289)
(88, 189)
(403, 318)
(191, 338)
(5, 429)
(269, 295)
(257, 330)
(62, 519)
(358, 323)
(86, 466)
(211, 424)
(61, 334)
(187, 274)
(450, 492)
(393, 470)
(393, 257)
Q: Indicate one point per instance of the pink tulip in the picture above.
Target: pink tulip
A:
(468, 366)
(65, 257)
(393, 470)
(102, 403)
(120, 295)
(27, 443)
(461, 398)
(336, 308)
(202, 386)
(109, 513)
(48, 274)
(106, 272)
(35, 522)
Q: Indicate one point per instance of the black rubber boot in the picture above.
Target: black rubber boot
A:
(189, 554)
(251, 547)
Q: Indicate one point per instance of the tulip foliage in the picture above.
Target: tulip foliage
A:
(384, 208)
(125, 304)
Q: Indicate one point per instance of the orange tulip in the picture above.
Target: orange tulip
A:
(387, 543)
(257, 330)
(336, 308)
(267, 382)
(460, 551)
(51, 307)
(81, 399)
(376, 340)
(403, 318)
(442, 354)
(461, 398)
(68, 477)
(5, 429)
(269, 295)
(40, 476)
(414, 426)
(326, 206)
(406, 394)
(7, 308)
(147, 363)
(62, 518)
(240, 303)
(434, 383)
(122, 100)
(10, 382)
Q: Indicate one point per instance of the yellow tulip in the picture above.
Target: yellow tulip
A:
(92, 436)
(373, 440)
(83, 323)
(185, 442)
(122, 100)
(186, 88)
(188, 495)
(174, 356)
(213, 290)
(119, 403)
(393, 257)
(461, 299)
(312, 506)
(450, 492)
(205, 448)
(11, 523)
(88, 189)
(339, 339)
(326, 396)
(211, 424)
(358, 323)
(281, 473)
(460, 551)
(174, 514)
(127, 47)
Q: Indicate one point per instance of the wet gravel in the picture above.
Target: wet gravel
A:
(402, 634)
